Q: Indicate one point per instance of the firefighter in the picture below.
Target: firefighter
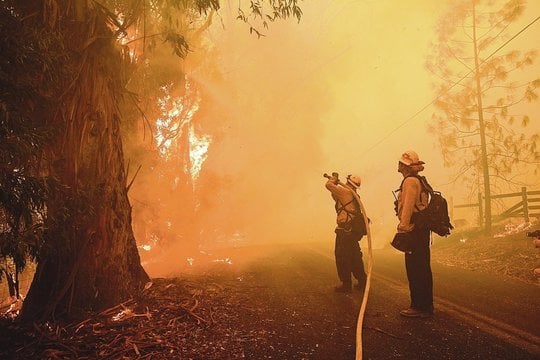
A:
(413, 198)
(347, 248)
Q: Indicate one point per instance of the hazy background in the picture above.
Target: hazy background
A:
(336, 92)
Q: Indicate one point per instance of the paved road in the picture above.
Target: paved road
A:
(478, 316)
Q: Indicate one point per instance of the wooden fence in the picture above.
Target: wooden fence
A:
(526, 207)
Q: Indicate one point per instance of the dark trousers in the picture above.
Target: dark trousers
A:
(418, 268)
(349, 258)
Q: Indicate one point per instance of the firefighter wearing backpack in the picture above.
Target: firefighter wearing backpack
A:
(349, 231)
(413, 198)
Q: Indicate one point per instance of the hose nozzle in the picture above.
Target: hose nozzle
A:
(334, 174)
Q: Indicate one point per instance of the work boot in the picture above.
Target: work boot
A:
(344, 288)
(415, 313)
(360, 285)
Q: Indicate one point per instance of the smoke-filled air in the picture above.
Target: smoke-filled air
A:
(234, 149)
(269, 179)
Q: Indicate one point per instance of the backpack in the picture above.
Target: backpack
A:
(435, 216)
(355, 223)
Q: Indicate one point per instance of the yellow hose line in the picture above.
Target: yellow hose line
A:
(368, 282)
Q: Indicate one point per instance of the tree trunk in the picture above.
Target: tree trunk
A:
(483, 146)
(90, 259)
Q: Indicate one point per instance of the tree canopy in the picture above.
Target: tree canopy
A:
(483, 90)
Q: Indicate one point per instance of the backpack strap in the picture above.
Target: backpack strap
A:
(408, 176)
(342, 207)
(349, 214)
(423, 183)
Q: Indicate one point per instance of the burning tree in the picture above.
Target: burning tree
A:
(64, 97)
(165, 193)
(481, 95)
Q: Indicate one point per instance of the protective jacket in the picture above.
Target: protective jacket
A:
(411, 199)
(345, 204)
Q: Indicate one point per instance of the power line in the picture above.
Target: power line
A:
(446, 91)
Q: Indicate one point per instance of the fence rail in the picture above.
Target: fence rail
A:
(528, 206)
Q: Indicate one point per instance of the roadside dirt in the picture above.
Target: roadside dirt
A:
(242, 310)
(228, 311)
(509, 253)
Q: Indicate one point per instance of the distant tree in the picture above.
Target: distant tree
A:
(482, 95)
(65, 78)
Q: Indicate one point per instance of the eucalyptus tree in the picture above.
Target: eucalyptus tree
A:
(482, 95)
(75, 68)
(29, 75)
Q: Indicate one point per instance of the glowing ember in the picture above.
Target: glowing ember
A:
(122, 315)
(128, 313)
(510, 229)
(190, 261)
(225, 261)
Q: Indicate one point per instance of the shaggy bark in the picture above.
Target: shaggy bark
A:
(90, 259)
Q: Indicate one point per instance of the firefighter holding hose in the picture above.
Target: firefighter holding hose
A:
(349, 231)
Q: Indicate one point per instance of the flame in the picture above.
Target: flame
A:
(198, 151)
(176, 118)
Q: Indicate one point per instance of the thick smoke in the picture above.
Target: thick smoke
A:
(261, 106)
(337, 92)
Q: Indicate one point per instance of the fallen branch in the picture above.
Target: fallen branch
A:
(385, 332)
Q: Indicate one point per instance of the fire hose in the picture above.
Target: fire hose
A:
(362, 311)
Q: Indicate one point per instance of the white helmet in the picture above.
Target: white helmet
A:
(410, 158)
(354, 181)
